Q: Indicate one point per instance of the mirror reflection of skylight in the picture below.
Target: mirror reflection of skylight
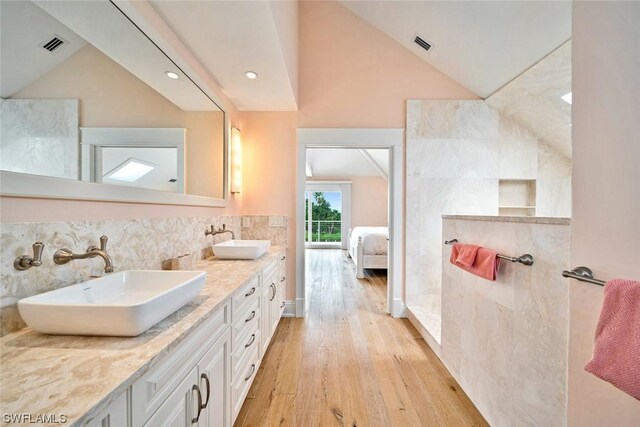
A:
(130, 170)
(567, 98)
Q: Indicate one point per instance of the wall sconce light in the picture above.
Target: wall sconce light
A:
(236, 161)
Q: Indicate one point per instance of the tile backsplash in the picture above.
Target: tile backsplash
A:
(133, 244)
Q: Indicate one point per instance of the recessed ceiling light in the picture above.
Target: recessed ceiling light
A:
(567, 98)
(251, 75)
(171, 75)
(130, 170)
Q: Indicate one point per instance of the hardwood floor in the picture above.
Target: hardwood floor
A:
(351, 364)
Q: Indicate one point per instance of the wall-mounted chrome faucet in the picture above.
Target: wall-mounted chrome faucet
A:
(25, 262)
(214, 232)
(63, 256)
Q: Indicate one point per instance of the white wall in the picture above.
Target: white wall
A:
(606, 190)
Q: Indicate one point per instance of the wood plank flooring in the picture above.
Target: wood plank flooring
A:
(351, 364)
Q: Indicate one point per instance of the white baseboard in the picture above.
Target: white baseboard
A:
(399, 309)
(289, 309)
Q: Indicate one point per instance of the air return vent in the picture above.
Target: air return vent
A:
(53, 44)
(422, 43)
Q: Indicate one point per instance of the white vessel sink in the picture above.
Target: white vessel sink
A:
(122, 304)
(241, 249)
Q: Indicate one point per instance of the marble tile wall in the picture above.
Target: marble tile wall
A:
(133, 244)
(452, 168)
(256, 227)
(505, 342)
(40, 136)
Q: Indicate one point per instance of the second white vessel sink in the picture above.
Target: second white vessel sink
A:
(241, 249)
(124, 304)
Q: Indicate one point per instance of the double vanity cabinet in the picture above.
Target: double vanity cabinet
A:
(194, 368)
(205, 379)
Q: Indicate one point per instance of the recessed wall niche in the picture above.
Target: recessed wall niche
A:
(517, 197)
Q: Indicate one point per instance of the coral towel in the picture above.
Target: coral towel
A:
(484, 264)
(616, 350)
(467, 254)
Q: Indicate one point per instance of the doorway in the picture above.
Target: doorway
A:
(359, 139)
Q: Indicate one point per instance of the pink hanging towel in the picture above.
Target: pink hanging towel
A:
(485, 264)
(616, 350)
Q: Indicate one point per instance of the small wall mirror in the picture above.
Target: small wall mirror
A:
(87, 97)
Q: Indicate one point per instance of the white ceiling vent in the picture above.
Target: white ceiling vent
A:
(422, 43)
(54, 44)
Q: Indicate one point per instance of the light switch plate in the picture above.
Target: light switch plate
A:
(276, 221)
(246, 221)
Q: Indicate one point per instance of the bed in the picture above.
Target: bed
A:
(369, 248)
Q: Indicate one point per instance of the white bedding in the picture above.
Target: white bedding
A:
(374, 239)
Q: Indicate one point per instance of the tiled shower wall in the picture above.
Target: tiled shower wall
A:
(133, 244)
(452, 168)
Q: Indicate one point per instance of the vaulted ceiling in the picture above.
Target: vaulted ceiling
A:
(481, 44)
(346, 162)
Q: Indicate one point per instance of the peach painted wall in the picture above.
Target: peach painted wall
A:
(269, 156)
(369, 200)
(353, 75)
(606, 199)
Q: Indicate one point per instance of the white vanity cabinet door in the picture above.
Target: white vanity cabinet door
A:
(274, 307)
(181, 406)
(215, 368)
(115, 415)
(265, 318)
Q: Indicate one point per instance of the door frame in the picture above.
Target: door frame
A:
(391, 139)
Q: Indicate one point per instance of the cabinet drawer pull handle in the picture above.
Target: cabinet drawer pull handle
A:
(283, 258)
(253, 369)
(283, 279)
(253, 338)
(282, 305)
(250, 318)
(273, 287)
(205, 377)
(251, 292)
(197, 417)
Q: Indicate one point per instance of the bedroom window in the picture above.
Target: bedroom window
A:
(323, 218)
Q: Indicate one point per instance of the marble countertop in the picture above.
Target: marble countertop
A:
(521, 219)
(80, 376)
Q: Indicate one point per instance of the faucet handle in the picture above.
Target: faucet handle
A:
(103, 245)
(38, 248)
(25, 262)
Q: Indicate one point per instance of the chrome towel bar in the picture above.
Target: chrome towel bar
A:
(583, 274)
(526, 259)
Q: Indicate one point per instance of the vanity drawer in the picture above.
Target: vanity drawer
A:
(242, 297)
(243, 380)
(154, 387)
(243, 351)
(247, 320)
